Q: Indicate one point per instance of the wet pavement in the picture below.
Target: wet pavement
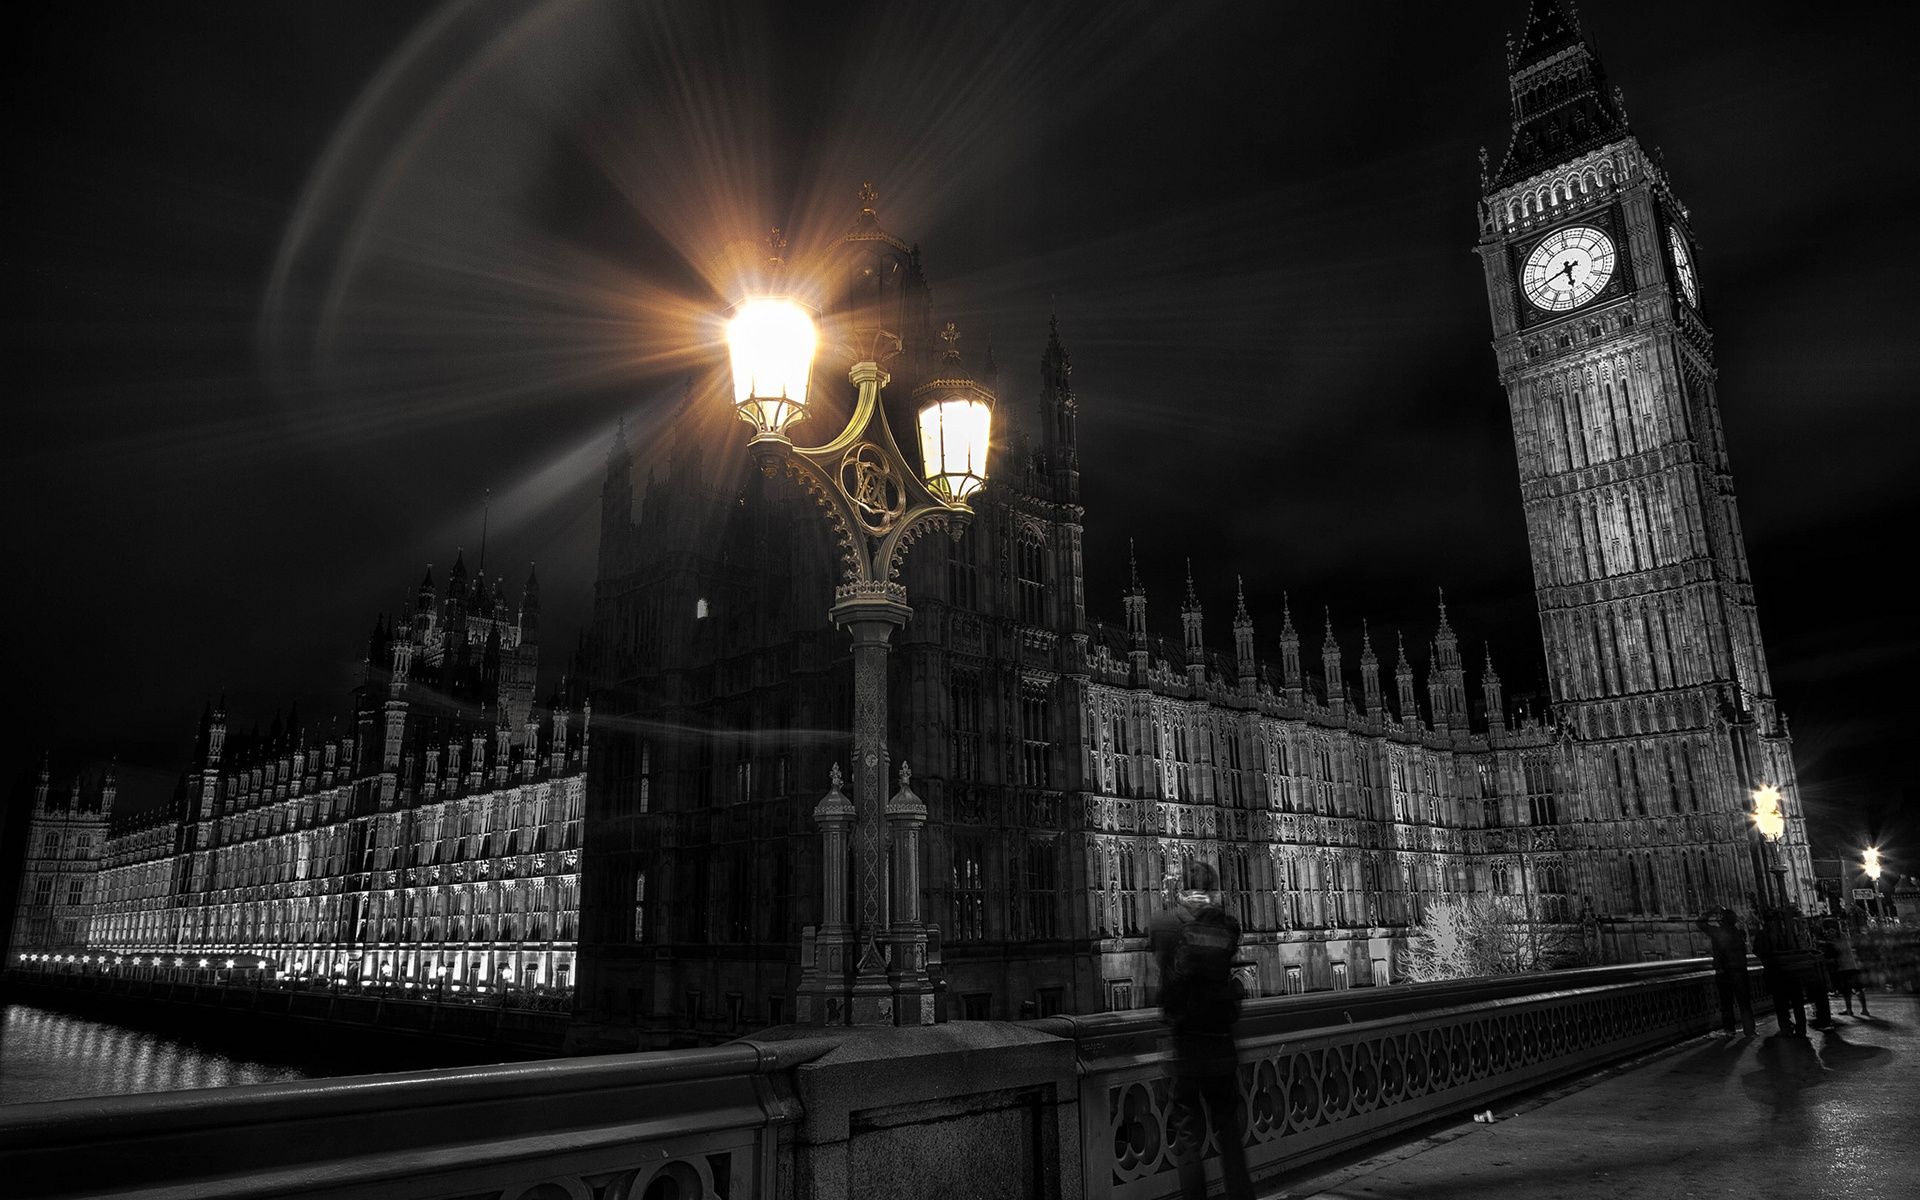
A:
(1834, 1114)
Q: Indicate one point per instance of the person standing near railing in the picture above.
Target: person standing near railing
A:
(1729, 967)
(1193, 945)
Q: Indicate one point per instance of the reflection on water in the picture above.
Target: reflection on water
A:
(51, 1056)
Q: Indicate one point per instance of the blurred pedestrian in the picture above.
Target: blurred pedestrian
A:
(1811, 967)
(1729, 944)
(1776, 951)
(1843, 962)
(1193, 945)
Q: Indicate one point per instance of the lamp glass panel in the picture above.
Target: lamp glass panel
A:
(771, 341)
(954, 435)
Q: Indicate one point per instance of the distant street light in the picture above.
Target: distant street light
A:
(879, 504)
(1870, 862)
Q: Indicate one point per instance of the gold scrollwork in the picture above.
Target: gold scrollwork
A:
(870, 485)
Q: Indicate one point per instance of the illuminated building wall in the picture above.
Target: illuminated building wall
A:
(438, 839)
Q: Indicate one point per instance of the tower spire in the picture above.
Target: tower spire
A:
(1243, 639)
(1562, 104)
(1190, 625)
(486, 514)
(1135, 602)
(1369, 673)
(1290, 677)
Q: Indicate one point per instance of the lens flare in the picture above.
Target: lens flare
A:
(1767, 817)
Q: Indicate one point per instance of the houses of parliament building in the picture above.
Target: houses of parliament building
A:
(1066, 762)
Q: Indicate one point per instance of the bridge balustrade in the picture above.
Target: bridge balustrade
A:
(1069, 1108)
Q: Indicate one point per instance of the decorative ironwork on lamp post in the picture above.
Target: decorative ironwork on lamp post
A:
(866, 967)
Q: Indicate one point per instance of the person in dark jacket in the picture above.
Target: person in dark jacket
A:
(1193, 942)
(1729, 967)
(1775, 948)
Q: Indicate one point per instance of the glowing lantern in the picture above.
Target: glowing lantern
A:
(771, 340)
(1767, 817)
(954, 430)
(1871, 861)
(956, 427)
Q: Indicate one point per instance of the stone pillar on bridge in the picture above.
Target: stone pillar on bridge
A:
(913, 998)
(826, 957)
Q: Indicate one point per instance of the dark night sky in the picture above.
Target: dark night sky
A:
(292, 283)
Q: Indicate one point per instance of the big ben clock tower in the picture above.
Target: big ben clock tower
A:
(1658, 675)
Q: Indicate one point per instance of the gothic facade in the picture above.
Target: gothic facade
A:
(67, 837)
(435, 842)
(1067, 763)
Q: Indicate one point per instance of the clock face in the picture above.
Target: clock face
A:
(1683, 267)
(1568, 269)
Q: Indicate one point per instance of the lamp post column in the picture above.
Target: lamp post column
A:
(871, 612)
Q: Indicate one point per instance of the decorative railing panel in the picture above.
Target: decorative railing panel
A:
(1327, 1072)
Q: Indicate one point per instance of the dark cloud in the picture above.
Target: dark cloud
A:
(239, 423)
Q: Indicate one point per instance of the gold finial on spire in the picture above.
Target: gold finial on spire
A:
(776, 244)
(951, 337)
(867, 197)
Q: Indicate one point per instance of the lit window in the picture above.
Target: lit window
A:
(700, 609)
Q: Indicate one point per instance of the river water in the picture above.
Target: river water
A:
(46, 1055)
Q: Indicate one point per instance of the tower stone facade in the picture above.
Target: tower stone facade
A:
(1658, 676)
(66, 841)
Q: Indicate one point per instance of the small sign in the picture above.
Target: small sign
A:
(1864, 894)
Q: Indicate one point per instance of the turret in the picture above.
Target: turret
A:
(1330, 667)
(1369, 675)
(530, 609)
(1403, 678)
(455, 645)
(1190, 629)
(1290, 676)
(1135, 602)
(616, 502)
(1447, 680)
(1490, 692)
(1059, 413)
(1243, 640)
(423, 605)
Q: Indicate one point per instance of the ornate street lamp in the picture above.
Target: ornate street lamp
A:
(879, 504)
(1771, 823)
(1870, 863)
